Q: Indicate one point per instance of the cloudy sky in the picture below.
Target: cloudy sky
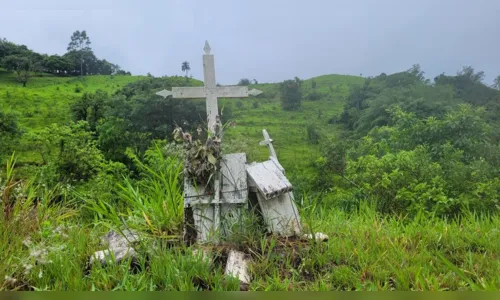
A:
(269, 40)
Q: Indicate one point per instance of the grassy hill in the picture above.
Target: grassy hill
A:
(366, 250)
(46, 99)
(288, 129)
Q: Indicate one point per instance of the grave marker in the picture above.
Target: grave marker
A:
(229, 192)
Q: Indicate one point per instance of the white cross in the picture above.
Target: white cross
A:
(210, 91)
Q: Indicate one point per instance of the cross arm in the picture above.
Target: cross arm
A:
(202, 92)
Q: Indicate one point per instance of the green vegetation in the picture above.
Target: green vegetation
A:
(402, 173)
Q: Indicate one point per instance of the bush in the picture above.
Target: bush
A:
(255, 104)
(69, 152)
(291, 95)
(312, 134)
(313, 96)
(434, 165)
(78, 89)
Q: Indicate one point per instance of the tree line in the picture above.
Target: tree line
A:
(79, 60)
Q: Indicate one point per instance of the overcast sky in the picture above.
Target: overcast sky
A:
(269, 40)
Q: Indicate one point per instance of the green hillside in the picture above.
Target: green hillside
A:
(288, 129)
(402, 175)
(47, 98)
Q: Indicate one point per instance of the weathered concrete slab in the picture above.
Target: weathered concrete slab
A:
(125, 238)
(269, 179)
(234, 183)
(280, 214)
(237, 266)
(234, 178)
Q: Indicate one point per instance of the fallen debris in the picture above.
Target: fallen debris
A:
(237, 266)
(119, 248)
(318, 236)
(116, 255)
(126, 238)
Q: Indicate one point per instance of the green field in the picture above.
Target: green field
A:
(46, 243)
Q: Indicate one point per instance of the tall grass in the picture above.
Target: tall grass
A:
(153, 204)
(45, 244)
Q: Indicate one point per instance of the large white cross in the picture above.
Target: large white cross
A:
(210, 91)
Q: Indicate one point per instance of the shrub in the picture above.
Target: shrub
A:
(313, 96)
(291, 95)
(312, 134)
(69, 152)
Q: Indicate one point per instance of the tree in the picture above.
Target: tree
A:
(496, 83)
(313, 84)
(468, 72)
(185, 67)
(90, 108)
(255, 81)
(244, 81)
(56, 64)
(291, 95)
(298, 81)
(21, 65)
(416, 71)
(80, 43)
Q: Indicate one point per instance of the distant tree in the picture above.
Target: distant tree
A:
(80, 43)
(185, 67)
(291, 95)
(312, 134)
(298, 81)
(496, 83)
(313, 84)
(255, 81)
(21, 65)
(8, 48)
(244, 81)
(469, 73)
(123, 72)
(56, 64)
(416, 71)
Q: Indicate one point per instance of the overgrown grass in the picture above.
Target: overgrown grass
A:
(46, 242)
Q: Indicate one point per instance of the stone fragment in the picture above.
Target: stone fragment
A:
(116, 255)
(237, 266)
(318, 236)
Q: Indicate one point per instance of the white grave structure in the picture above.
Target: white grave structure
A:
(274, 193)
(231, 186)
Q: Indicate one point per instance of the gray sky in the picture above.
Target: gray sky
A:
(269, 40)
